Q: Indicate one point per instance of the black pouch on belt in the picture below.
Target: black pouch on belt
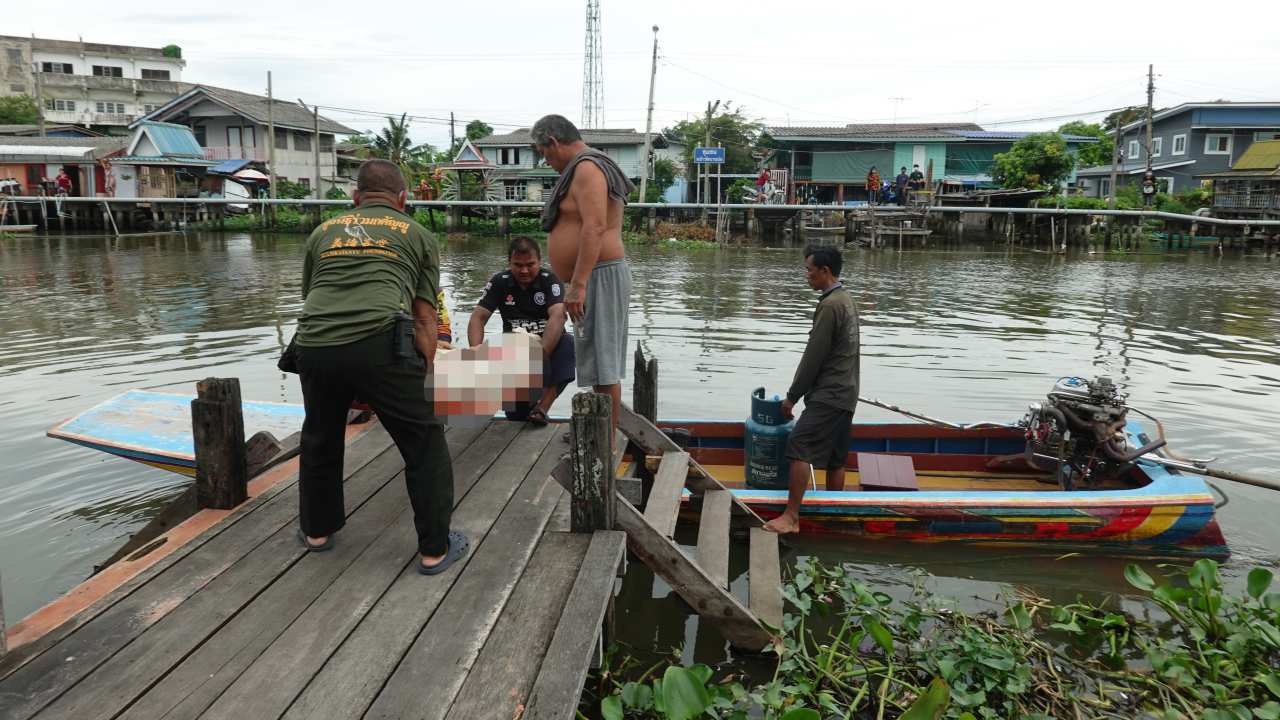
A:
(402, 345)
(289, 358)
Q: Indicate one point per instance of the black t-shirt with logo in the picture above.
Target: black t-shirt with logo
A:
(523, 307)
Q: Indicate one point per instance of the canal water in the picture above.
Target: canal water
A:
(966, 334)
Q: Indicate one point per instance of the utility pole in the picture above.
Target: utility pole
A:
(39, 99)
(452, 141)
(1151, 91)
(648, 123)
(271, 140)
(315, 120)
(706, 180)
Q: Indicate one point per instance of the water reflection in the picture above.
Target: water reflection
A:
(966, 335)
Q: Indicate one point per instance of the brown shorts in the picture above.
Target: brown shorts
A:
(821, 436)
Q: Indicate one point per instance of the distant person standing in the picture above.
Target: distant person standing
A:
(827, 379)
(583, 215)
(1148, 189)
(900, 185)
(63, 182)
(762, 185)
(873, 185)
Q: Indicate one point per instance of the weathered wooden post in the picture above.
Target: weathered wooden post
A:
(504, 221)
(217, 425)
(653, 220)
(644, 387)
(594, 485)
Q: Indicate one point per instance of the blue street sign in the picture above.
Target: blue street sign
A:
(708, 155)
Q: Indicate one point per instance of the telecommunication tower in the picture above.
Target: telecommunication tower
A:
(592, 73)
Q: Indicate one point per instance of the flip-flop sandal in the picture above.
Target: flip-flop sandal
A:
(458, 545)
(322, 547)
(537, 417)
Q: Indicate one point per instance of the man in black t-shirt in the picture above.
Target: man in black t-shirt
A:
(532, 298)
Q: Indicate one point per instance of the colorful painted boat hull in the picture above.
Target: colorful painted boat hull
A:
(1169, 514)
(155, 428)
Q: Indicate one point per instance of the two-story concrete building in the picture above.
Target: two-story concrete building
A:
(232, 125)
(524, 177)
(91, 84)
(1188, 142)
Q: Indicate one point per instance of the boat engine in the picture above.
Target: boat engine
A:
(1078, 435)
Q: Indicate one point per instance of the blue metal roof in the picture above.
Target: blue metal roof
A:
(229, 167)
(173, 140)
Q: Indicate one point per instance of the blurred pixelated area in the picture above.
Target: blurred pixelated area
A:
(484, 380)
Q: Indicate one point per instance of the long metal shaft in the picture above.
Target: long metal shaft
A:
(1210, 472)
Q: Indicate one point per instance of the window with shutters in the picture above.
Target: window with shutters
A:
(148, 74)
(108, 71)
(301, 141)
(58, 68)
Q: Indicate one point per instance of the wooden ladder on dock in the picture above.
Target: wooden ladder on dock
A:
(703, 581)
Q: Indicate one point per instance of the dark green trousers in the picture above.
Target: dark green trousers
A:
(331, 378)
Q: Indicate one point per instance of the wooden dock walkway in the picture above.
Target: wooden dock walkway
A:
(242, 623)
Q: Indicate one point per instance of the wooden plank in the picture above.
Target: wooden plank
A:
(655, 442)
(351, 678)
(116, 683)
(86, 645)
(263, 683)
(664, 498)
(367, 551)
(877, 471)
(275, 501)
(592, 459)
(217, 428)
(764, 577)
(558, 687)
(4, 643)
(711, 602)
(433, 670)
(500, 680)
(713, 536)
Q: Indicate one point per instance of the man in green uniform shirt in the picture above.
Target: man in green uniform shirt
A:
(827, 379)
(361, 270)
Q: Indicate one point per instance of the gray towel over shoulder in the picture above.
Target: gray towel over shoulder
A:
(619, 186)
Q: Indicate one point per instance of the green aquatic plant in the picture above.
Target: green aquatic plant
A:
(846, 651)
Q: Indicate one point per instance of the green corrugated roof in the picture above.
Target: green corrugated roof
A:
(1261, 155)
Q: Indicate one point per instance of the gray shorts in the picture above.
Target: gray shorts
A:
(601, 338)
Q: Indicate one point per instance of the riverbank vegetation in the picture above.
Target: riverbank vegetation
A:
(846, 651)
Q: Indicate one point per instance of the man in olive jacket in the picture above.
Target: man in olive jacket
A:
(365, 274)
(827, 379)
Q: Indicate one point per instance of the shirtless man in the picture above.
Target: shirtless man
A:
(584, 218)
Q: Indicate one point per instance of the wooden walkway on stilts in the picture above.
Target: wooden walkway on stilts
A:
(242, 623)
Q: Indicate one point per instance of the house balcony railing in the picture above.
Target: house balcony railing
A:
(1247, 201)
(112, 119)
(232, 152)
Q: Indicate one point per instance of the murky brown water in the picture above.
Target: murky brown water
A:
(961, 334)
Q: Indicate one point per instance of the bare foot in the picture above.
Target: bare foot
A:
(430, 560)
(783, 524)
(317, 541)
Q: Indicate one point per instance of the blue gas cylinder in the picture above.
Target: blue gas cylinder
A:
(765, 460)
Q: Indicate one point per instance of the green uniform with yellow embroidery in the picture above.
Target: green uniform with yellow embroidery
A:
(360, 269)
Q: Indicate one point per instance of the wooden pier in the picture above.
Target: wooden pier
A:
(241, 622)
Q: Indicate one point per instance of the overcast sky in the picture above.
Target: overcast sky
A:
(1011, 65)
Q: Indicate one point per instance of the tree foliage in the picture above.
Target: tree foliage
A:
(664, 175)
(730, 128)
(477, 129)
(1123, 117)
(394, 143)
(1036, 161)
(1092, 154)
(18, 110)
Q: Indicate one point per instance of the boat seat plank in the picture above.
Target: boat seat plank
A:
(664, 498)
(713, 535)
(764, 577)
(886, 472)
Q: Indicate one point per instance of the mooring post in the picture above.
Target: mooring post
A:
(504, 221)
(594, 485)
(653, 220)
(644, 387)
(217, 425)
